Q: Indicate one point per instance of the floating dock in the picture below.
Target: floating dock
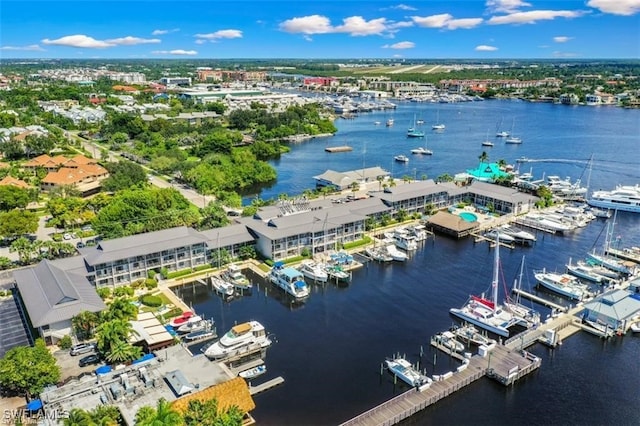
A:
(254, 390)
(540, 300)
(343, 148)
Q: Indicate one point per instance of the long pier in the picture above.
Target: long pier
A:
(540, 300)
(254, 390)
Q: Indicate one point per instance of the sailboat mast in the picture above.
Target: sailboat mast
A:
(494, 282)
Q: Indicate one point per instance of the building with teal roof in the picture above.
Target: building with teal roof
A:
(487, 172)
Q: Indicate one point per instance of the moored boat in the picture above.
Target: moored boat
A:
(471, 334)
(448, 340)
(185, 318)
(500, 235)
(519, 235)
(337, 274)
(584, 271)
(624, 198)
(563, 284)
(240, 338)
(234, 275)
(253, 372)
(222, 287)
(290, 280)
(313, 271)
(403, 369)
(378, 254)
(397, 255)
(190, 327)
(401, 158)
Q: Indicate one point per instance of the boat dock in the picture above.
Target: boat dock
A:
(626, 254)
(443, 348)
(540, 300)
(478, 238)
(254, 390)
(246, 366)
(342, 148)
(529, 223)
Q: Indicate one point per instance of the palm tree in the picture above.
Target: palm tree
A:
(24, 247)
(121, 308)
(201, 413)
(123, 351)
(483, 157)
(380, 179)
(78, 417)
(109, 333)
(163, 415)
(84, 323)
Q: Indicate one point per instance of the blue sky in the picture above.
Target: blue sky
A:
(483, 29)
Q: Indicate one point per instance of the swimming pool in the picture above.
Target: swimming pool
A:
(468, 217)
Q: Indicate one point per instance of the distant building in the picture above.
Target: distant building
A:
(614, 309)
(176, 81)
(344, 180)
(11, 181)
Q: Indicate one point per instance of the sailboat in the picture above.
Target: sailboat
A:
(488, 314)
(501, 133)
(528, 314)
(412, 132)
(438, 125)
(603, 259)
(422, 150)
(487, 142)
(513, 139)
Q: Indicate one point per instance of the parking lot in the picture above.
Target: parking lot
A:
(69, 364)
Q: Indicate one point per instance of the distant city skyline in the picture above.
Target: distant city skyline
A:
(375, 29)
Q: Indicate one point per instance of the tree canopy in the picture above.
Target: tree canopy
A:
(27, 370)
(12, 197)
(123, 175)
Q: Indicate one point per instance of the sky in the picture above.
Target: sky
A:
(316, 29)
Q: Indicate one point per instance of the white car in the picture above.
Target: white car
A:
(67, 236)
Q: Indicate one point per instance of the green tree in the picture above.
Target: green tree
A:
(84, 324)
(163, 414)
(37, 145)
(213, 216)
(106, 415)
(401, 215)
(123, 175)
(27, 370)
(123, 351)
(78, 417)
(483, 157)
(12, 197)
(247, 252)
(23, 247)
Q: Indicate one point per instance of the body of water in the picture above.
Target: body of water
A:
(330, 348)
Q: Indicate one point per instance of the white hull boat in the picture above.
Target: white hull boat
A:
(403, 369)
(397, 255)
(222, 287)
(448, 340)
(240, 338)
(253, 372)
(563, 284)
(471, 334)
(377, 254)
(314, 271)
(234, 275)
(519, 235)
(623, 198)
(290, 280)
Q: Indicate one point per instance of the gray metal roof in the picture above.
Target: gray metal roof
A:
(142, 244)
(343, 179)
(227, 236)
(52, 294)
(500, 192)
(617, 304)
(407, 191)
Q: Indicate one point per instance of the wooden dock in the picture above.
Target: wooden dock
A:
(540, 300)
(254, 390)
(529, 223)
(245, 366)
(342, 148)
(478, 238)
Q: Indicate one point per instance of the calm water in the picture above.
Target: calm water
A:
(329, 349)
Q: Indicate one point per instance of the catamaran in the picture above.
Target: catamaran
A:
(488, 314)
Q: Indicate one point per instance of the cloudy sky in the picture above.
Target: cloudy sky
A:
(438, 29)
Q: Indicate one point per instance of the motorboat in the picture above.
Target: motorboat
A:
(422, 150)
(222, 287)
(397, 255)
(584, 271)
(513, 140)
(419, 232)
(404, 240)
(502, 134)
(503, 237)
(471, 334)
(563, 284)
(564, 188)
(200, 334)
(601, 213)
(185, 318)
(378, 254)
(623, 197)
(253, 372)
(401, 158)
(488, 314)
(545, 222)
(487, 143)
(337, 273)
(289, 279)
(448, 340)
(519, 235)
(234, 275)
(313, 271)
(190, 327)
(403, 369)
(240, 338)
(635, 327)
(389, 122)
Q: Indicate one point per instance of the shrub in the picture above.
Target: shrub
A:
(150, 284)
(151, 301)
(65, 342)
(123, 291)
(104, 292)
(164, 272)
(178, 274)
(151, 274)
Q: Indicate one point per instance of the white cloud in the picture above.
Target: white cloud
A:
(78, 40)
(130, 41)
(400, 45)
(562, 39)
(175, 52)
(445, 20)
(403, 7)
(616, 7)
(558, 54)
(314, 24)
(358, 26)
(307, 37)
(532, 16)
(31, 47)
(485, 48)
(505, 6)
(162, 32)
(220, 34)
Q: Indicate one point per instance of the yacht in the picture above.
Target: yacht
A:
(290, 280)
(412, 132)
(500, 235)
(624, 198)
(401, 158)
(502, 134)
(222, 287)
(422, 150)
(389, 122)
(190, 327)
(403, 369)
(448, 340)
(487, 143)
(471, 334)
(253, 372)
(397, 255)
(313, 271)
(519, 235)
(240, 338)
(513, 140)
(562, 284)
(234, 275)
(564, 188)
(419, 232)
(609, 262)
(337, 274)
(584, 271)
(543, 221)
(378, 254)
(404, 240)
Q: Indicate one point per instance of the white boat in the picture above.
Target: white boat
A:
(601, 270)
(234, 275)
(419, 232)
(401, 158)
(222, 287)
(397, 255)
(448, 340)
(314, 271)
(377, 123)
(488, 314)
(185, 318)
(289, 279)
(240, 338)
(422, 150)
(200, 334)
(543, 221)
(500, 235)
(584, 271)
(190, 327)
(403, 369)
(624, 198)
(378, 254)
(502, 134)
(471, 334)
(601, 213)
(519, 235)
(253, 372)
(608, 262)
(487, 143)
(389, 122)
(635, 327)
(527, 314)
(404, 240)
(564, 188)
(563, 284)
(438, 125)
(337, 274)
(513, 139)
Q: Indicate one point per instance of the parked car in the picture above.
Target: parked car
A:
(67, 236)
(89, 359)
(79, 244)
(82, 348)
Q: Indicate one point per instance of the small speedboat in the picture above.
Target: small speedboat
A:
(253, 372)
(401, 158)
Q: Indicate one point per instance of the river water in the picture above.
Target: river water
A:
(329, 349)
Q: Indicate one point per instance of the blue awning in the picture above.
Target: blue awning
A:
(278, 264)
(34, 405)
(103, 369)
(144, 358)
